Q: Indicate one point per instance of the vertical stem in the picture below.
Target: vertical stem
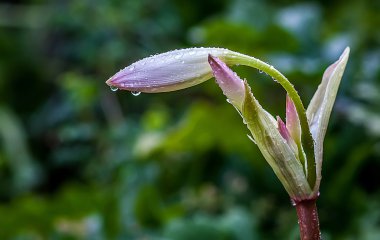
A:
(308, 219)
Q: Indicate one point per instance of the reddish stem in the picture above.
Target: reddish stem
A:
(308, 219)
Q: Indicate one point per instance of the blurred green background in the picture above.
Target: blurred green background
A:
(78, 161)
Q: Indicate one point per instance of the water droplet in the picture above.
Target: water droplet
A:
(182, 62)
(293, 202)
(113, 88)
(131, 68)
(260, 71)
(135, 93)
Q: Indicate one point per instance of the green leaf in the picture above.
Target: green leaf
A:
(273, 146)
(319, 109)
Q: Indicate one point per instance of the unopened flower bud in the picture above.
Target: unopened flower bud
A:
(168, 71)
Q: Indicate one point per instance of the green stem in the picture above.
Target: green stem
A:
(307, 139)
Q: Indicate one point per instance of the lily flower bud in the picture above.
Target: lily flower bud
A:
(286, 134)
(292, 150)
(168, 71)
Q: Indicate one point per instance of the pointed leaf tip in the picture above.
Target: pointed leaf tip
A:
(292, 121)
(319, 109)
(230, 83)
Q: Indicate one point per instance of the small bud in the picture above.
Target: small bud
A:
(283, 130)
(292, 120)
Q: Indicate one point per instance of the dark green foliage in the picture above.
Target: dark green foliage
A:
(78, 161)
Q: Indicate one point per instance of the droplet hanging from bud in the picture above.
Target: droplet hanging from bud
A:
(168, 71)
(113, 88)
(135, 93)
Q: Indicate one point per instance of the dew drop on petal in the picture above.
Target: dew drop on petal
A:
(135, 93)
(113, 88)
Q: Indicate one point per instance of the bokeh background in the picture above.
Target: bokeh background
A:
(78, 161)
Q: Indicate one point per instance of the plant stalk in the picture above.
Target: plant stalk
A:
(308, 219)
